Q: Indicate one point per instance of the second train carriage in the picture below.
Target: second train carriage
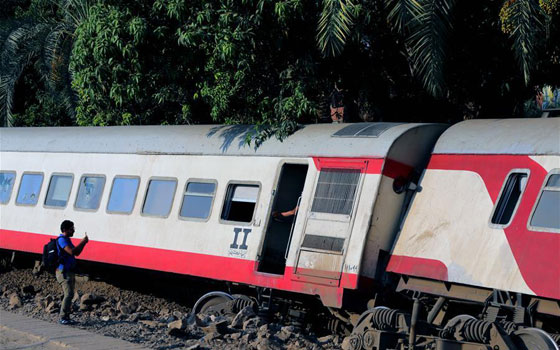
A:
(488, 214)
(479, 250)
(195, 200)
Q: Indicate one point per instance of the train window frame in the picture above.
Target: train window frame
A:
(525, 171)
(198, 180)
(163, 178)
(11, 187)
(227, 197)
(100, 196)
(45, 205)
(355, 200)
(38, 193)
(135, 194)
(543, 188)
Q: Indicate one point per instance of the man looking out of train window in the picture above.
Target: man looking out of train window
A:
(65, 274)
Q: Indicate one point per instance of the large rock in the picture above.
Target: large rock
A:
(91, 299)
(263, 332)
(210, 336)
(15, 301)
(124, 308)
(246, 313)
(252, 323)
(284, 335)
(219, 327)
(52, 307)
(149, 323)
(264, 344)
(179, 324)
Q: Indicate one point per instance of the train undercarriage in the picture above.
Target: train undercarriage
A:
(453, 317)
(462, 318)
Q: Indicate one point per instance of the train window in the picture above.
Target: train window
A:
(7, 179)
(59, 190)
(123, 194)
(336, 190)
(29, 189)
(546, 214)
(509, 198)
(197, 200)
(240, 203)
(159, 197)
(90, 191)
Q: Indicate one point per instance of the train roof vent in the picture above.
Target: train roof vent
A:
(364, 129)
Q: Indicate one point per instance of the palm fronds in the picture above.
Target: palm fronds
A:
(425, 24)
(401, 13)
(427, 42)
(527, 24)
(48, 43)
(19, 49)
(334, 27)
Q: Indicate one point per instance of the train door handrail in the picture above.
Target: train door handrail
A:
(292, 229)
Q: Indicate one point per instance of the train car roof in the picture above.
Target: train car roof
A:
(501, 136)
(327, 140)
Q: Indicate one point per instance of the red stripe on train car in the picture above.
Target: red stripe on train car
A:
(418, 267)
(194, 264)
(387, 167)
(537, 253)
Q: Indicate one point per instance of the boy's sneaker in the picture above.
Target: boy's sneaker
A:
(65, 321)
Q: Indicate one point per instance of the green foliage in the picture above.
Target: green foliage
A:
(128, 68)
(110, 37)
(250, 73)
(270, 63)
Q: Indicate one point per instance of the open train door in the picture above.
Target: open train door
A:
(329, 221)
(279, 231)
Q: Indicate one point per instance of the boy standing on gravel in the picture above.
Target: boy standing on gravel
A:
(65, 271)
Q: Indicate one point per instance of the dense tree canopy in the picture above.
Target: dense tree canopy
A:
(272, 63)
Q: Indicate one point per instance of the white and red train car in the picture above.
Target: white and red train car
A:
(196, 200)
(488, 214)
(483, 229)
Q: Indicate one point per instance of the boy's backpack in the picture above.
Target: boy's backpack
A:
(51, 255)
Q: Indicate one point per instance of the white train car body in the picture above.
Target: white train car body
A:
(488, 213)
(195, 200)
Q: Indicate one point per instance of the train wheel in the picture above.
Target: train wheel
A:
(534, 339)
(209, 301)
(366, 334)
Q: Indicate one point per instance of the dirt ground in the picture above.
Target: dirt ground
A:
(148, 316)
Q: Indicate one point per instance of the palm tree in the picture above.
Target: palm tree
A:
(334, 25)
(45, 43)
(425, 24)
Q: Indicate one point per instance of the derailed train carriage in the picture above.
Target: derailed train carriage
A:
(480, 235)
